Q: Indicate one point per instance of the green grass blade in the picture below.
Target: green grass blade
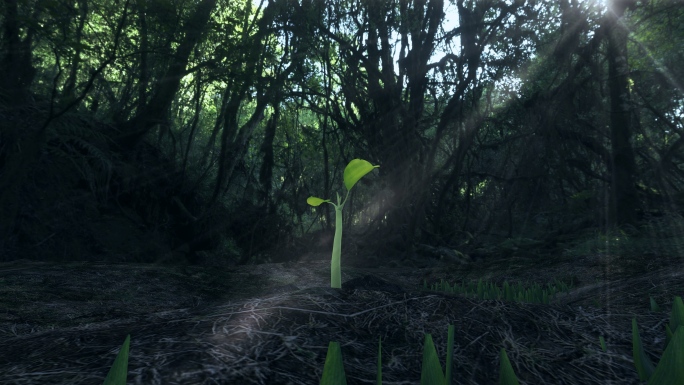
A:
(670, 369)
(450, 355)
(506, 373)
(119, 370)
(677, 316)
(654, 305)
(333, 371)
(643, 364)
(379, 377)
(603, 344)
(431, 372)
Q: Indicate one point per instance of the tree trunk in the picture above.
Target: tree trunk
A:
(155, 111)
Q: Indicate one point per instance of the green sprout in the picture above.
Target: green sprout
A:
(119, 370)
(355, 170)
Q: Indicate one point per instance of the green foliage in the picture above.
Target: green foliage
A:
(670, 369)
(431, 372)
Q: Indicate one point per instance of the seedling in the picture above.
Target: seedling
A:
(355, 170)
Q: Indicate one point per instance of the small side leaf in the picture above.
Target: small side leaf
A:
(355, 170)
(313, 201)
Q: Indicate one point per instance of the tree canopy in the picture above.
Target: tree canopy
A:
(139, 127)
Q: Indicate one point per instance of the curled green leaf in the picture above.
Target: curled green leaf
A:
(355, 170)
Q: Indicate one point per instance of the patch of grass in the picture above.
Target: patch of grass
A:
(518, 292)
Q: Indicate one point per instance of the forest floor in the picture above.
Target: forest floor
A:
(271, 323)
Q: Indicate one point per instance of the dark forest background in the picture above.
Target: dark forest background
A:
(148, 130)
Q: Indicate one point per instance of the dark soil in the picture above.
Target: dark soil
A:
(271, 323)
